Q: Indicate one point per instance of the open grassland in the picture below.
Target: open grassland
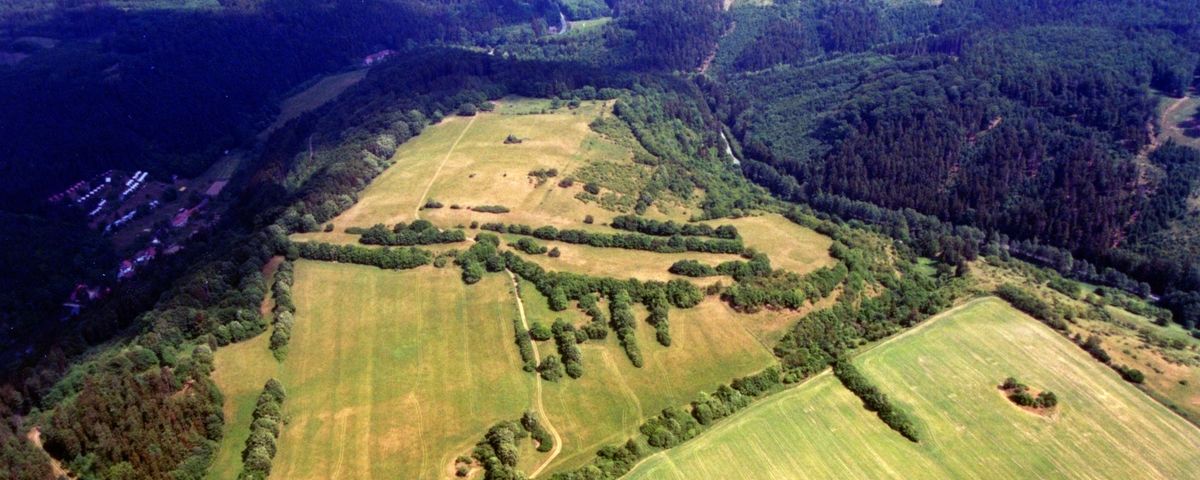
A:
(612, 398)
(389, 374)
(1172, 370)
(790, 246)
(464, 161)
(945, 374)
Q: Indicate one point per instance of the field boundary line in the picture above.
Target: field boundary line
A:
(537, 383)
(421, 201)
(782, 393)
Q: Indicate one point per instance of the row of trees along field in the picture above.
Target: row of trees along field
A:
(1019, 117)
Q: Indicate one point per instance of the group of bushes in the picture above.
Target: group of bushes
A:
(560, 288)
(385, 258)
(629, 241)
(623, 323)
(284, 311)
(1031, 304)
(499, 453)
(525, 346)
(543, 174)
(566, 338)
(491, 209)
(264, 430)
(669, 228)
(1093, 347)
(419, 232)
(875, 400)
(1019, 394)
(530, 246)
(784, 289)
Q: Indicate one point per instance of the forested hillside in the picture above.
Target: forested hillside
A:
(1030, 119)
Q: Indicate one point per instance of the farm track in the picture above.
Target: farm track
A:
(541, 410)
(421, 201)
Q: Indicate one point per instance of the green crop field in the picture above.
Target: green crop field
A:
(388, 374)
(945, 374)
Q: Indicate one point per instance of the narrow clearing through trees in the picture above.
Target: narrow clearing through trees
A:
(537, 385)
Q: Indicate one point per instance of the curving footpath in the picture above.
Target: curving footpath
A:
(537, 386)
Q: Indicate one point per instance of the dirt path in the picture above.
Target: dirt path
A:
(35, 437)
(537, 386)
(421, 201)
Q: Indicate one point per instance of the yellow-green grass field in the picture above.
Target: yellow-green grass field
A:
(607, 404)
(389, 374)
(790, 246)
(945, 374)
(464, 161)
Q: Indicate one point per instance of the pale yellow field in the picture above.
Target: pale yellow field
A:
(945, 375)
(790, 246)
(389, 374)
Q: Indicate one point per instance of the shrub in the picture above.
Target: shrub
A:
(491, 209)
(467, 110)
(512, 140)
(566, 182)
(540, 332)
(554, 253)
(433, 204)
(592, 188)
(551, 368)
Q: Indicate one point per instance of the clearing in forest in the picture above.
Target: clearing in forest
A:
(945, 374)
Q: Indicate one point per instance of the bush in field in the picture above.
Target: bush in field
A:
(551, 368)
(540, 332)
(490, 209)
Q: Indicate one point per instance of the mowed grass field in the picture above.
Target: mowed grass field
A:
(611, 400)
(464, 161)
(389, 375)
(945, 374)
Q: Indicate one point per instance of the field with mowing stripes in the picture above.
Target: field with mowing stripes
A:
(390, 374)
(945, 374)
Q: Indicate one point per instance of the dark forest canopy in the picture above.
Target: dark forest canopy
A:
(1020, 117)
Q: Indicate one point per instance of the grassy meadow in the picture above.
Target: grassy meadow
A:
(945, 374)
(389, 374)
(607, 404)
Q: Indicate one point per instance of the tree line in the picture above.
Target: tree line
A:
(630, 241)
(265, 424)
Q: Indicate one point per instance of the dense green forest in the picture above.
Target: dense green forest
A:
(1021, 118)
